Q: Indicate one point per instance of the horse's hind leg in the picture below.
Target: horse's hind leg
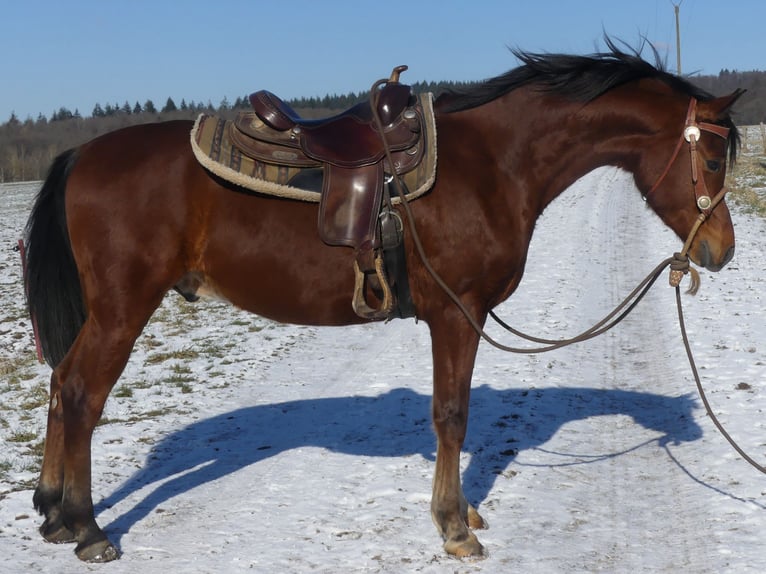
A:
(79, 389)
(50, 488)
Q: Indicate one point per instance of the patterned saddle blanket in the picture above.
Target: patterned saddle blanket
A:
(214, 143)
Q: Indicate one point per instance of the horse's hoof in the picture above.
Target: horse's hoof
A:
(475, 520)
(56, 535)
(101, 551)
(468, 547)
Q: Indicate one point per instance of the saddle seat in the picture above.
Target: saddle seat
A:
(348, 139)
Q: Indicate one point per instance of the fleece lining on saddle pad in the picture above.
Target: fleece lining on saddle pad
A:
(213, 148)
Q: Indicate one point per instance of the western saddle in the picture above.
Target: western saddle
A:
(358, 152)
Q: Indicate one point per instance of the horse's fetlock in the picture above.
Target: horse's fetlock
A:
(44, 500)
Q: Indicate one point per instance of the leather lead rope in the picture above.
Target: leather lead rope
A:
(679, 266)
(701, 390)
(674, 282)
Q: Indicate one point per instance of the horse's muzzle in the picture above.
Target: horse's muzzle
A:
(706, 259)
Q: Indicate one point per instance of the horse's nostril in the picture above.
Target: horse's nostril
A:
(729, 256)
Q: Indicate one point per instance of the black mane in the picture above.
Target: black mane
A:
(580, 78)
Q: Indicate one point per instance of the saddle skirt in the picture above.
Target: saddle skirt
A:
(269, 164)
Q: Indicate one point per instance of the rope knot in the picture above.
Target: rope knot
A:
(679, 266)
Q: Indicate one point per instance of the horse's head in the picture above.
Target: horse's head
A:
(687, 182)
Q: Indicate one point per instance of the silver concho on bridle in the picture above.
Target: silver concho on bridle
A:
(692, 135)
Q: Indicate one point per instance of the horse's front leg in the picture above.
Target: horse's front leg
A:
(454, 346)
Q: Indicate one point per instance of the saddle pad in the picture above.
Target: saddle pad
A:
(213, 148)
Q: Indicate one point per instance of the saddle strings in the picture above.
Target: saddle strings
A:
(679, 266)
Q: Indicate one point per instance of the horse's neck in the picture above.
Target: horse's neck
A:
(560, 144)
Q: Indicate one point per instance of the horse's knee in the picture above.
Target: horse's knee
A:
(82, 403)
(74, 402)
(450, 420)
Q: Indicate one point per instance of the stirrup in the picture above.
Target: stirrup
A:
(359, 304)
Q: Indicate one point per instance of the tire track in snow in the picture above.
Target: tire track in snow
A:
(602, 240)
(642, 507)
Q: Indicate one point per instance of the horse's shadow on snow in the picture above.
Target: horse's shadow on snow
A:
(394, 424)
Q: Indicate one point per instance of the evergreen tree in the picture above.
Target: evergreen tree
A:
(170, 106)
(137, 108)
(98, 111)
(61, 115)
(149, 107)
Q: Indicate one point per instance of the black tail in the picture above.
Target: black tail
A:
(54, 294)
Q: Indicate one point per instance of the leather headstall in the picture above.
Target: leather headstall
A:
(691, 135)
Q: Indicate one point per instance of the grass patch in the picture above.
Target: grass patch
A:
(153, 414)
(124, 392)
(14, 370)
(186, 354)
(36, 397)
(150, 342)
(185, 388)
(9, 366)
(22, 436)
(142, 385)
(748, 176)
(181, 375)
(37, 449)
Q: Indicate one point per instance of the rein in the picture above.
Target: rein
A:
(678, 263)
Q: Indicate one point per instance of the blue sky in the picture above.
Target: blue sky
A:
(82, 52)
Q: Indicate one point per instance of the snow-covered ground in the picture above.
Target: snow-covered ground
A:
(233, 444)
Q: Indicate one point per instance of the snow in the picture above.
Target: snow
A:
(234, 444)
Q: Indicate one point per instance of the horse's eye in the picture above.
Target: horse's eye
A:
(713, 165)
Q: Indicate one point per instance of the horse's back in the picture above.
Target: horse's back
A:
(147, 216)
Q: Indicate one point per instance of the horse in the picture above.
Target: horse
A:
(130, 215)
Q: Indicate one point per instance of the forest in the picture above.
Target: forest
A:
(28, 146)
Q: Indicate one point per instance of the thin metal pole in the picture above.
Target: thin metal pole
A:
(678, 38)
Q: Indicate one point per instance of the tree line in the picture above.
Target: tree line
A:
(27, 147)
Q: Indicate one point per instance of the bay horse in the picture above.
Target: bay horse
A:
(130, 215)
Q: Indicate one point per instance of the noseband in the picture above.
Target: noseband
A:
(691, 134)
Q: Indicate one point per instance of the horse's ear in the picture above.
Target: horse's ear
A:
(721, 106)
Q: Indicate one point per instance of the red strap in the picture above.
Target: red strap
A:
(720, 131)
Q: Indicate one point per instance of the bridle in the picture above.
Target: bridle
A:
(691, 135)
